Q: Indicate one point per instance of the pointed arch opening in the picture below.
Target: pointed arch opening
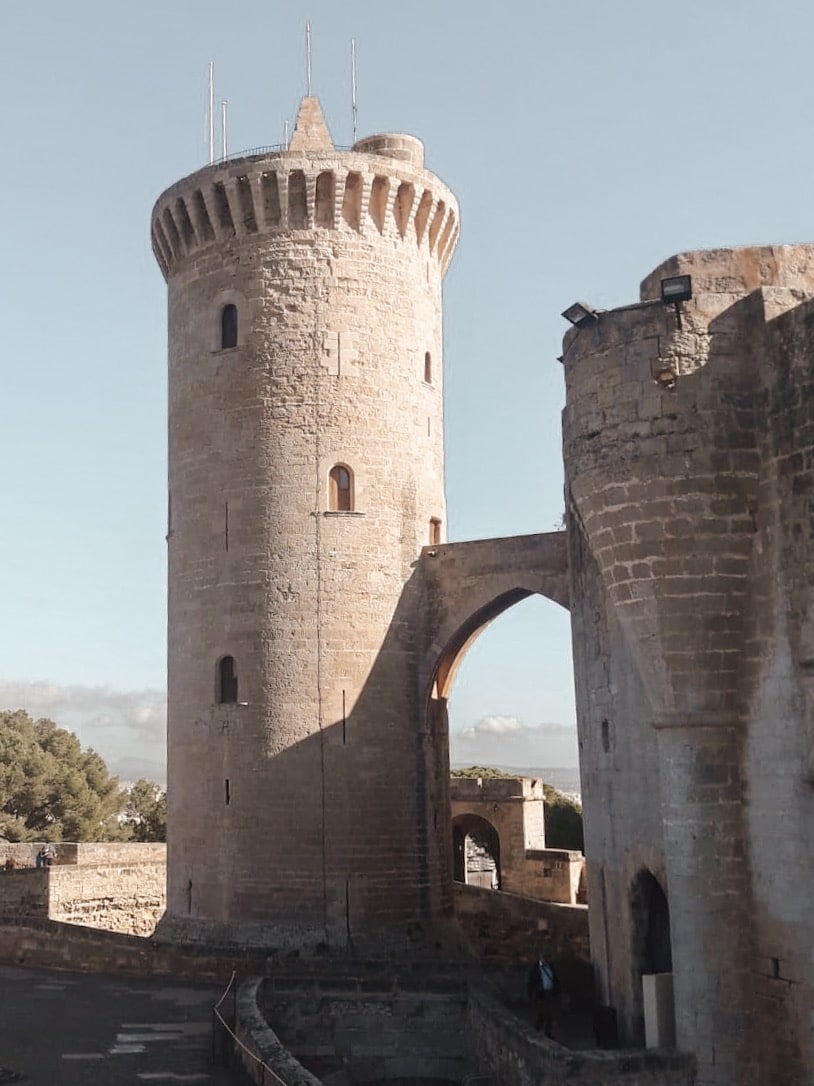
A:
(502, 689)
(653, 1018)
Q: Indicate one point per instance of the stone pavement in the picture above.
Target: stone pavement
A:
(71, 1029)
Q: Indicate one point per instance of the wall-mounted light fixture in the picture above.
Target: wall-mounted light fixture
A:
(580, 314)
(674, 291)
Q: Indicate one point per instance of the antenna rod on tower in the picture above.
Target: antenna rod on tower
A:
(308, 55)
(211, 112)
(224, 148)
(353, 83)
(285, 134)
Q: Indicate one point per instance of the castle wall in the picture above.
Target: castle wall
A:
(780, 709)
(508, 927)
(119, 887)
(689, 529)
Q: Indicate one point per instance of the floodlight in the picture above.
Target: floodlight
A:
(580, 314)
(676, 289)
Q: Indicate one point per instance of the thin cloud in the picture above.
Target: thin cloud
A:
(126, 728)
(505, 740)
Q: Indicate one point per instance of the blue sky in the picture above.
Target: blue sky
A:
(586, 142)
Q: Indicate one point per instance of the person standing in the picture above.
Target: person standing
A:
(542, 988)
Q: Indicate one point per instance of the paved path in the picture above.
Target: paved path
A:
(67, 1029)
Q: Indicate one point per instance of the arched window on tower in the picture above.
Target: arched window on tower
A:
(226, 681)
(340, 489)
(228, 326)
(435, 531)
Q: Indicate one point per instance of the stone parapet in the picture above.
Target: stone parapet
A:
(520, 1057)
(373, 193)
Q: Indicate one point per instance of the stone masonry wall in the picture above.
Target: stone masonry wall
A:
(780, 714)
(115, 897)
(518, 1057)
(370, 1035)
(506, 927)
(688, 474)
(115, 886)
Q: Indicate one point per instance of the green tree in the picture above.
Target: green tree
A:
(146, 811)
(563, 821)
(50, 788)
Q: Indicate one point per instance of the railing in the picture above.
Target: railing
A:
(252, 152)
(218, 1035)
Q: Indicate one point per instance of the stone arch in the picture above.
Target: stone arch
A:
(475, 851)
(471, 628)
(468, 586)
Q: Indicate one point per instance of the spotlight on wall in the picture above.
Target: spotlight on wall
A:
(674, 291)
(580, 314)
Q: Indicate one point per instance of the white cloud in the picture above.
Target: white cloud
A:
(494, 725)
(127, 728)
(504, 740)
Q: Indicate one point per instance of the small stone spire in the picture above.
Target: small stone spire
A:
(311, 132)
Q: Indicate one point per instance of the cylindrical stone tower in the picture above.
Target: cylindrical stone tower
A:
(305, 474)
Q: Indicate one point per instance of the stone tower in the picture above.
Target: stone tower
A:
(305, 474)
(689, 449)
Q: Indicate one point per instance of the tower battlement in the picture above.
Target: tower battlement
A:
(378, 189)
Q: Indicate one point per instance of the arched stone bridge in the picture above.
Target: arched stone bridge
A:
(467, 585)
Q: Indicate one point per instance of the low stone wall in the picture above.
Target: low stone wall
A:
(356, 1030)
(507, 927)
(117, 897)
(260, 1047)
(24, 892)
(79, 853)
(521, 1057)
(112, 885)
(50, 944)
(550, 874)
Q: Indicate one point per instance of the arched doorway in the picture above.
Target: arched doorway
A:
(475, 852)
(652, 949)
(652, 959)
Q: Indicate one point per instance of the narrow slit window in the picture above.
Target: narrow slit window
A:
(340, 489)
(435, 531)
(228, 326)
(227, 681)
(428, 368)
